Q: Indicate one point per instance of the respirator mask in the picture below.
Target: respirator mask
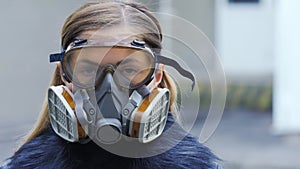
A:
(110, 100)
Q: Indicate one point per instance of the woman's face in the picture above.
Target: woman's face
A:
(131, 65)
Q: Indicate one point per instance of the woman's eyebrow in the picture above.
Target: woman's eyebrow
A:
(86, 61)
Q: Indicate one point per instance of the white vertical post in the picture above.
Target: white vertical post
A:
(286, 106)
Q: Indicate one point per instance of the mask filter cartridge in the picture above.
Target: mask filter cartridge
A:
(149, 119)
(61, 111)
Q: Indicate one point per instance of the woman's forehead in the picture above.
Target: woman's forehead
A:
(108, 34)
(111, 55)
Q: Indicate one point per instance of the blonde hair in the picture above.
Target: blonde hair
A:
(93, 16)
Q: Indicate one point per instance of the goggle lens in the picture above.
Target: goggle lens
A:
(131, 67)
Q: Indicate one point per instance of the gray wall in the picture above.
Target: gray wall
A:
(199, 12)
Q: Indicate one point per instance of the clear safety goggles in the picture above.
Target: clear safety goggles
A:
(131, 62)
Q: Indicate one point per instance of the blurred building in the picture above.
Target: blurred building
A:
(257, 43)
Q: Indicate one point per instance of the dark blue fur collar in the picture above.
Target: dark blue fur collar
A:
(50, 151)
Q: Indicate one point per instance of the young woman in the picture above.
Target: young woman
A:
(111, 104)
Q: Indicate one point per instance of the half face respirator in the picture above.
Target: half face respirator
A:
(110, 100)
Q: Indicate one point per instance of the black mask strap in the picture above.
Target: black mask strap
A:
(174, 64)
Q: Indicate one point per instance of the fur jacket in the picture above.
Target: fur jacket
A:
(49, 151)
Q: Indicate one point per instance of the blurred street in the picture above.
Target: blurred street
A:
(244, 140)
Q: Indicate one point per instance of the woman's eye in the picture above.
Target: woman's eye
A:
(88, 72)
(129, 71)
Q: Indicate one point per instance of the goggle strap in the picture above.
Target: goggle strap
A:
(174, 64)
(56, 57)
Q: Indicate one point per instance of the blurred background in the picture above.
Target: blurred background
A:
(257, 41)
